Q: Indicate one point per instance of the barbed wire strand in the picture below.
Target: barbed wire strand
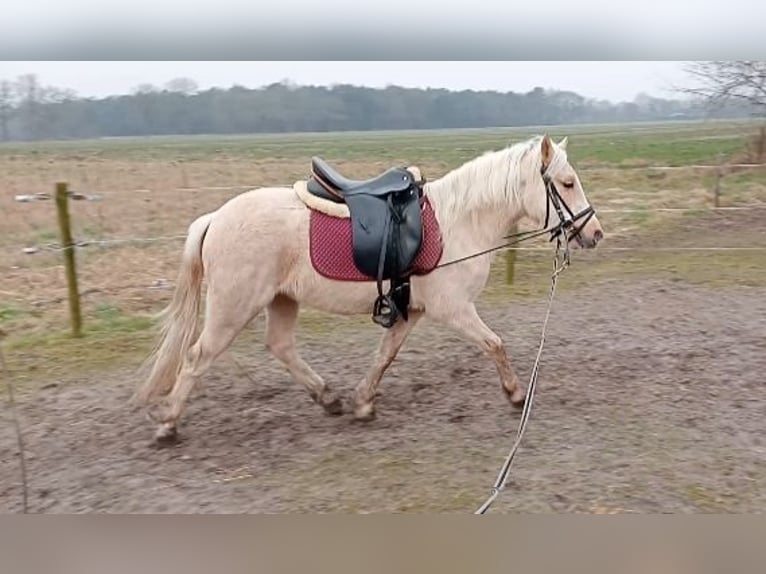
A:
(722, 167)
(124, 240)
(541, 249)
(754, 207)
(515, 248)
(168, 286)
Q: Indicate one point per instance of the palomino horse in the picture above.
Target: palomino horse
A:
(254, 253)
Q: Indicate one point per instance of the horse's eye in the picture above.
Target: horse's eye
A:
(569, 184)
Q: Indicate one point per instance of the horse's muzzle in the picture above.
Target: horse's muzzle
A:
(586, 240)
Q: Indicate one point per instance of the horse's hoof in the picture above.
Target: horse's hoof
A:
(517, 403)
(166, 435)
(364, 413)
(334, 408)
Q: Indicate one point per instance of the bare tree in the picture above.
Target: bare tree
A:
(720, 83)
(185, 86)
(53, 95)
(142, 89)
(7, 101)
(28, 90)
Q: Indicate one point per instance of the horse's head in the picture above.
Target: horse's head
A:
(556, 196)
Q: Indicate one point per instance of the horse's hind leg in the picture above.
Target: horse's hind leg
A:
(225, 318)
(281, 318)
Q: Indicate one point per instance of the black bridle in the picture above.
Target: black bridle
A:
(565, 228)
(567, 218)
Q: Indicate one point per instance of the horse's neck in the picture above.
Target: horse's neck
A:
(477, 202)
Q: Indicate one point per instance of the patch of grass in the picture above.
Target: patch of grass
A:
(649, 150)
(8, 312)
(694, 214)
(109, 340)
(47, 236)
(712, 269)
(640, 217)
(90, 231)
(108, 313)
(704, 499)
(616, 144)
(15, 316)
(743, 178)
(314, 322)
(385, 477)
(716, 269)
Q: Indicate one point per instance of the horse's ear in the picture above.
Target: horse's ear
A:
(547, 150)
(563, 143)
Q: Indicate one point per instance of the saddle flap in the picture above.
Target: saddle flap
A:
(375, 227)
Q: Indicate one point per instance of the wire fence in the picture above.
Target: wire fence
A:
(118, 241)
(166, 285)
(94, 194)
(133, 220)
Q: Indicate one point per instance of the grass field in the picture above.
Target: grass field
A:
(151, 187)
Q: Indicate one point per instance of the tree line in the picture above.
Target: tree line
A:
(32, 111)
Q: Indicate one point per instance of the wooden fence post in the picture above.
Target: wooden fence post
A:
(718, 177)
(67, 244)
(717, 191)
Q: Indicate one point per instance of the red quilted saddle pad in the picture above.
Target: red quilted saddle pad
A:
(331, 247)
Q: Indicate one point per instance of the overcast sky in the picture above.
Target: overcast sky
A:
(616, 81)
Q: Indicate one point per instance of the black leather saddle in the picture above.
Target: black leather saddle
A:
(386, 226)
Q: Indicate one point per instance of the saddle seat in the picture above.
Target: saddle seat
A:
(386, 215)
(327, 183)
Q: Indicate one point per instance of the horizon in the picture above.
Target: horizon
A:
(98, 80)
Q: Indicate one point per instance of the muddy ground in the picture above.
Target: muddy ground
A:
(651, 399)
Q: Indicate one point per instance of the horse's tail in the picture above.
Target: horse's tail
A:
(179, 320)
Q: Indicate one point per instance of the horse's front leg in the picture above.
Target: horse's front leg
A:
(465, 319)
(364, 394)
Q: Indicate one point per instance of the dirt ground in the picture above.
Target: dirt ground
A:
(650, 399)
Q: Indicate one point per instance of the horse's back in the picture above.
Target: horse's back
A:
(264, 199)
(260, 208)
(255, 223)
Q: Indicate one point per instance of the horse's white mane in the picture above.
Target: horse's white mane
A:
(492, 180)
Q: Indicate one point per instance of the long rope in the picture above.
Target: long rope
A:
(559, 264)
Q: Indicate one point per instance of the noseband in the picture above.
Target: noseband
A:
(567, 218)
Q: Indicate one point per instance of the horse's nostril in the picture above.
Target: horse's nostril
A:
(598, 236)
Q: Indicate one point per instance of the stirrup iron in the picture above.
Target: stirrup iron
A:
(384, 311)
